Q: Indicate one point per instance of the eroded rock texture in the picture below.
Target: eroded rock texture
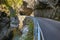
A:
(4, 24)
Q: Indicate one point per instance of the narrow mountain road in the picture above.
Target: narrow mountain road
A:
(50, 28)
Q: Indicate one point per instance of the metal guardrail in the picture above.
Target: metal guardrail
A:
(37, 35)
(37, 30)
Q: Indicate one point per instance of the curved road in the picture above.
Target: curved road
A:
(50, 28)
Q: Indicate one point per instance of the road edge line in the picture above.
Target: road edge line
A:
(41, 32)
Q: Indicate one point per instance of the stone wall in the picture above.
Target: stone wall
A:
(43, 12)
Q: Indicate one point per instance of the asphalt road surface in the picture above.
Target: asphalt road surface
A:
(50, 28)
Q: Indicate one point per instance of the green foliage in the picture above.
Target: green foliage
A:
(30, 32)
(12, 5)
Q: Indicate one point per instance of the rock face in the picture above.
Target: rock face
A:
(4, 24)
(47, 8)
(14, 22)
(26, 11)
(52, 2)
(27, 7)
(30, 3)
(4, 20)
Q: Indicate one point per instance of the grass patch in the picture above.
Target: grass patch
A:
(30, 34)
